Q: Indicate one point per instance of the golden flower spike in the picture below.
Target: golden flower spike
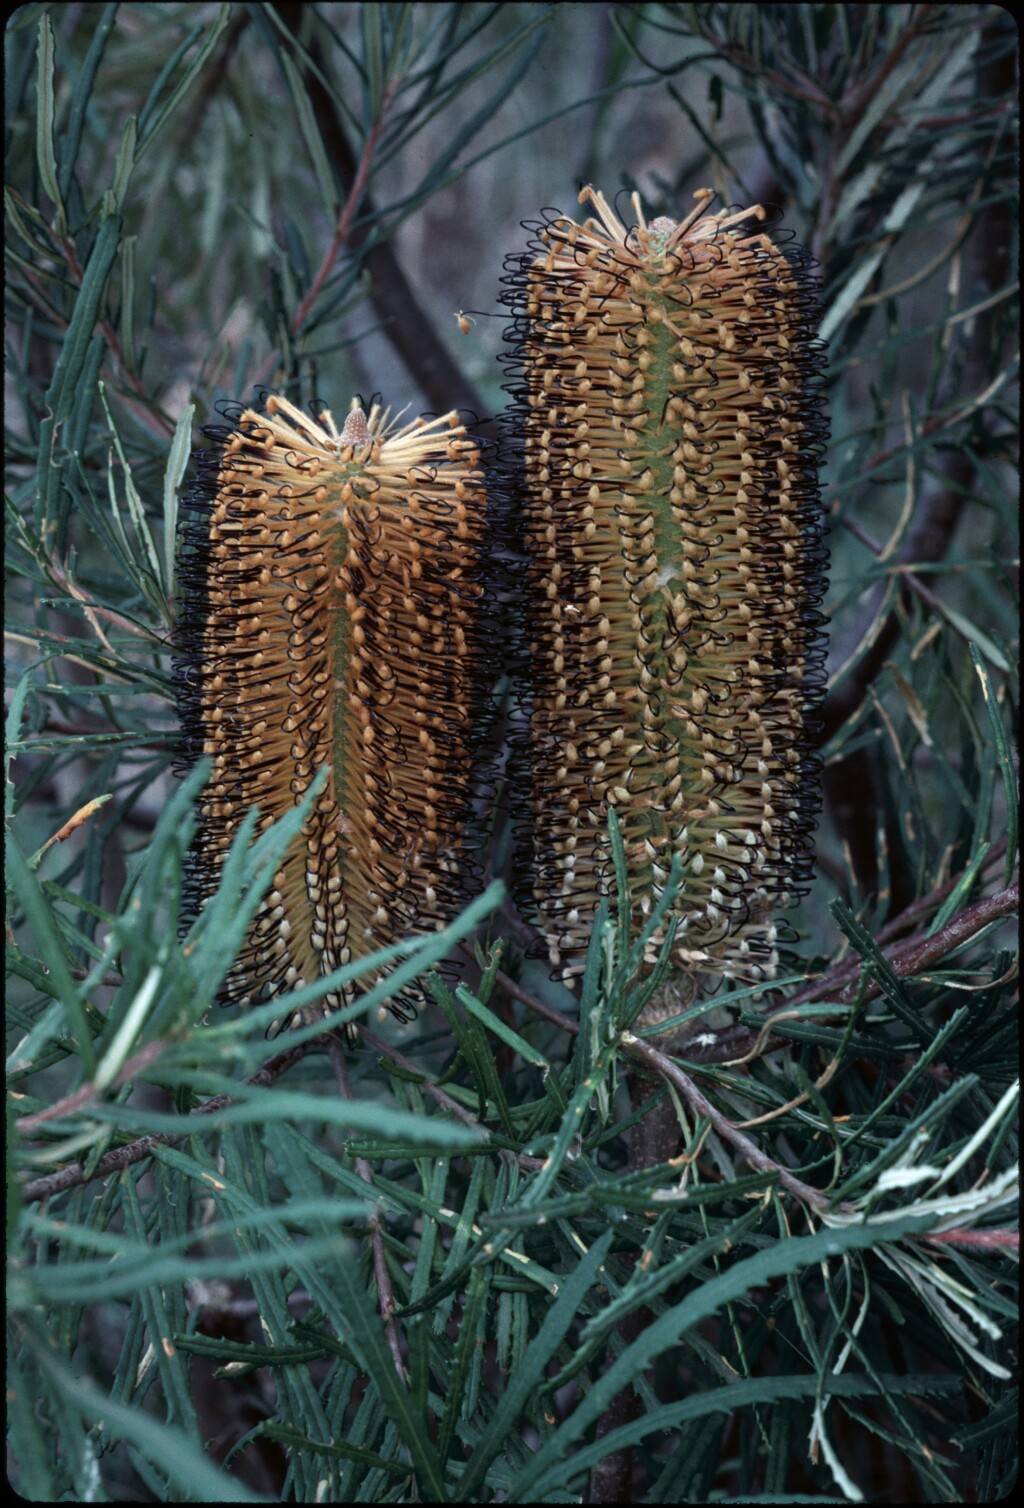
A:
(331, 609)
(669, 425)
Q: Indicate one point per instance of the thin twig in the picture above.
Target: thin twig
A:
(434, 1090)
(547, 1012)
(907, 957)
(91, 608)
(906, 573)
(382, 1277)
(663, 1065)
(412, 334)
(73, 1175)
(839, 984)
(352, 202)
(864, 86)
(61, 729)
(915, 954)
(977, 1240)
(732, 1043)
(71, 1104)
(850, 968)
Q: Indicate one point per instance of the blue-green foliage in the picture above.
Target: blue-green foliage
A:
(257, 1267)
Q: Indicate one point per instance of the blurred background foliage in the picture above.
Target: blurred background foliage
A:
(427, 1269)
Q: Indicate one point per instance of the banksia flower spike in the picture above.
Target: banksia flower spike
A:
(330, 619)
(669, 424)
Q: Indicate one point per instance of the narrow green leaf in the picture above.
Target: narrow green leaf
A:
(127, 1034)
(12, 731)
(1005, 762)
(170, 1364)
(568, 1131)
(594, 1005)
(32, 1455)
(39, 918)
(252, 1107)
(363, 1330)
(45, 157)
(882, 99)
(472, 1333)
(958, 896)
(77, 432)
(148, 132)
(337, 1448)
(531, 1365)
(880, 969)
(71, 363)
(478, 1055)
(235, 1352)
(148, 557)
(499, 1028)
(770, 1391)
(668, 1330)
(325, 179)
(82, 94)
(371, 18)
(643, 1287)
(919, 1066)
(123, 163)
(622, 890)
(900, 1146)
(164, 1445)
(177, 461)
(976, 637)
(845, 301)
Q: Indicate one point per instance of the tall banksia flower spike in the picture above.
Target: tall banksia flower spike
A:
(668, 423)
(330, 620)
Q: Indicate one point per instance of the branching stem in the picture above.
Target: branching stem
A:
(73, 1175)
(352, 201)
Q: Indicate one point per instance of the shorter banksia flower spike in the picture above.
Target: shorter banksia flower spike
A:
(330, 620)
(667, 427)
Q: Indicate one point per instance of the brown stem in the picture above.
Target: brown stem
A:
(842, 982)
(408, 328)
(905, 572)
(611, 1480)
(72, 1103)
(401, 1061)
(90, 608)
(978, 1240)
(382, 1277)
(749, 1150)
(54, 725)
(641, 1052)
(862, 90)
(915, 954)
(73, 1175)
(344, 225)
(728, 1042)
(789, 81)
